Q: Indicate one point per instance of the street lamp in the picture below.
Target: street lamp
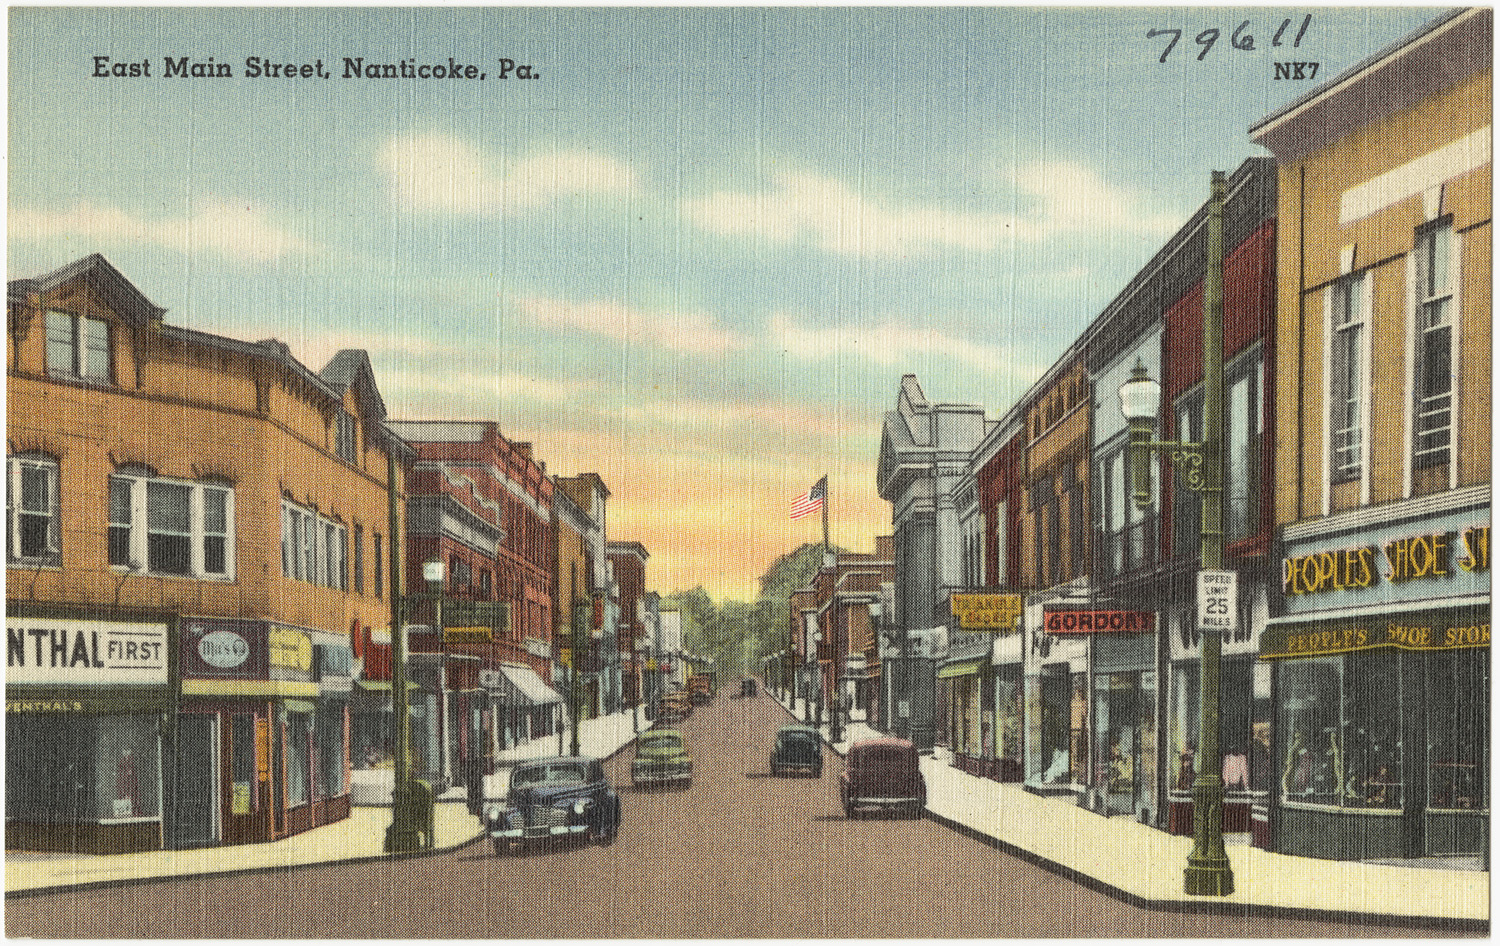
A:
(411, 800)
(1202, 464)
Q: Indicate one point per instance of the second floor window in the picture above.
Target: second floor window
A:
(77, 347)
(1127, 532)
(170, 527)
(32, 511)
(1346, 381)
(313, 547)
(1433, 397)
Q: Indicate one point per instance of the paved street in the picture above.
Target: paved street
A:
(739, 854)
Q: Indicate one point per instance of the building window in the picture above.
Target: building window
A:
(486, 584)
(1244, 429)
(359, 559)
(313, 547)
(458, 574)
(345, 443)
(170, 527)
(379, 566)
(77, 347)
(1433, 407)
(1002, 548)
(1127, 532)
(1343, 716)
(1346, 377)
(32, 511)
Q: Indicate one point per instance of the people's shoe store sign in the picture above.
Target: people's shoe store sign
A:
(1380, 569)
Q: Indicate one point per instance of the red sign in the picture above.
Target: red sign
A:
(1093, 622)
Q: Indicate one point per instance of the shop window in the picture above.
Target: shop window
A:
(242, 774)
(1342, 716)
(170, 527)
(298, 729)
(1458, 701)
(32, 511)
(67, 768)
(330, 750)
(1244, 431)
(77, 347)
(1433, 397)
(313, 547)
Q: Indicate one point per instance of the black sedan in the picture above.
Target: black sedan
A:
(797, 749)
(555, 799)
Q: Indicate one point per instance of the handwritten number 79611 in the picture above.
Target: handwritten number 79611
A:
(1241, 38)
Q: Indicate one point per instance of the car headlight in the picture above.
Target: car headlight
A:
(580, 806)
(494, 814)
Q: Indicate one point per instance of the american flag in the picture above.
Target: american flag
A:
(811, 502)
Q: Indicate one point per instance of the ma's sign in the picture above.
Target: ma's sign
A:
(83, 653)
(980, 612)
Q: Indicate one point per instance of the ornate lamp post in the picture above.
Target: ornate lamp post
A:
(1202, 464)
(411, 799)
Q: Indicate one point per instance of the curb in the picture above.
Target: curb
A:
(248, 871)
(1209, 907)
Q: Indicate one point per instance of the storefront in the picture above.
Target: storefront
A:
(531, 704)
(262, 731)
(88, 716)
(1382, 683)
(1007, 670)
(1125, 756)
(1057, 708)
(1245, 714)
(961, 685)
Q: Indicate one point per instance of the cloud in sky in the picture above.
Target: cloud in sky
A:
(893, 343)
(845, 221)
(1073, 198)
(230, 228)
(440, 173)
(693, 333)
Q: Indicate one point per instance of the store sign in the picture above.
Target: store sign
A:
(214, 648)
(1457, 558)
(61, 652)
(1094, 622)
(1428, 630)
(289, 649)
(467, 635)
(985, 611)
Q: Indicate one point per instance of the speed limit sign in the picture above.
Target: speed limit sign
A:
(1218, 600)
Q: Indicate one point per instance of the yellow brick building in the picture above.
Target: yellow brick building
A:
(1380, 634)
(197, 528)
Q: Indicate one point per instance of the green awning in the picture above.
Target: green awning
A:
(963, 668)
(384, 685)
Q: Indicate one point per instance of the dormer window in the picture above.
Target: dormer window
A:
(77, 347)
(345, 443)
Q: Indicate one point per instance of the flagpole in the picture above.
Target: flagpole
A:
(825, 515)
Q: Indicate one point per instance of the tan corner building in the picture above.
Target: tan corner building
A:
(196, 530)
(1380, 634)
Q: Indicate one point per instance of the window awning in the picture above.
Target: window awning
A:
(528, 685)
(963, 668)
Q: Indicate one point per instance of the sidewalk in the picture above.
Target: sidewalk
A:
(359, 837)
(1144, 865)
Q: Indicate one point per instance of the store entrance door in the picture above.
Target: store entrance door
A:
(196, 823)
(1120, 747)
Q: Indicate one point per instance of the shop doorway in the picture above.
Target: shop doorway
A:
(196, 778)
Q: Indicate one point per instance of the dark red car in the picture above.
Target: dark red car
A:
(883, 774)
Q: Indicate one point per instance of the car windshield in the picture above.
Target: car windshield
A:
(661, 742)
(562, 773)
(791, 737)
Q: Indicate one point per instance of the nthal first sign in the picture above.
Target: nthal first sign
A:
(1218, 600)
(61, 652)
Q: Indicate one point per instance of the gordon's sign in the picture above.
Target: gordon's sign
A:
(1094, 622)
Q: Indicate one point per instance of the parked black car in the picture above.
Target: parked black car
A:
(554, 799)
(797, 749)
(883, 774)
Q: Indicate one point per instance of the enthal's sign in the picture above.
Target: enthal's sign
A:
(1093, 622)
(83, 653)
(986, 611)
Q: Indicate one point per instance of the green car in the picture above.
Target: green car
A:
(661, 758)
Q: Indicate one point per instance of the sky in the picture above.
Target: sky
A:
(694, 252)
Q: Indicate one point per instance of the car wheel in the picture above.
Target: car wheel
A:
(502, 847)
(848, 809)
(818, 772)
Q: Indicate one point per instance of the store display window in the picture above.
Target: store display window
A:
(1458, 712)
(74, 769)
(1342, 716)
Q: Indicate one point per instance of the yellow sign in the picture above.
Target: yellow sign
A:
(467, 635)
(291, 649)
(986, 612)
(565, 656)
